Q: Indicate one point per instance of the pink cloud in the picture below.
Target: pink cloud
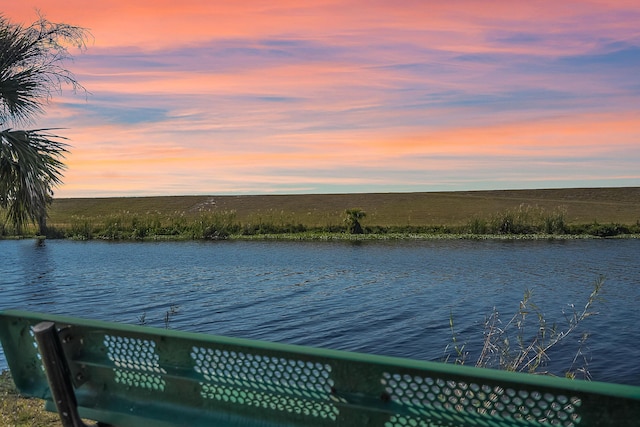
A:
(202, 96)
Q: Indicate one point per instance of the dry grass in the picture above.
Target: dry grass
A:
(582, 205)
(17, 411)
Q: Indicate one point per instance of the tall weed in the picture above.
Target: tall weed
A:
(525, 219)
(81, 228)
(520, 344)
(214, 225)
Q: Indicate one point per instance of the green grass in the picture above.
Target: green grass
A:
(18, 411)
(595, 211)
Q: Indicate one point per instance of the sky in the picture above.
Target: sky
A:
(319, 96)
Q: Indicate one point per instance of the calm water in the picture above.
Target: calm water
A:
(392, 298)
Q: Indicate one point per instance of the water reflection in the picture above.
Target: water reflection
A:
(38, 268)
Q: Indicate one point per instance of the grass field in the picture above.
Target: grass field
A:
(456, 212)
(583, 205)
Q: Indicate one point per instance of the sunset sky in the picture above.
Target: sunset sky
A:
(253, 97)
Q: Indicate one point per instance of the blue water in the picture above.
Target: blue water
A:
(393, 298)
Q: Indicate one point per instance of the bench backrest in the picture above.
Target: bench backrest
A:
(127, 375)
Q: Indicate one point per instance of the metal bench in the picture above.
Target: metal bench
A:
(123, 375)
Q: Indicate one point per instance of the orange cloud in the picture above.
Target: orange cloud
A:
(563, 136)
(458, 25)
(252, 96)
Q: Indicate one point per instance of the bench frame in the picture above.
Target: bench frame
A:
(124, 375)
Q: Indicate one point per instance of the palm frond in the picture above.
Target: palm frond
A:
(30, 166)
(32, 69)
(31, 66)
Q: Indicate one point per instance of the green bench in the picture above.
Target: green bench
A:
(123, 375)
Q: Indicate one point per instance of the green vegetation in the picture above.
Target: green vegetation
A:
(520, 345)
(352, 219)
(600, 212)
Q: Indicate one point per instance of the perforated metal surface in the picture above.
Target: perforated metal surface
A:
(126, 375)
(35, 346)
(265, 382)
(431, 395)
(137, 362)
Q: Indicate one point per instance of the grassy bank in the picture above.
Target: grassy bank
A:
(598, 212)
(17, 411)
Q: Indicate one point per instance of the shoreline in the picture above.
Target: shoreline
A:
(311, 236)
(498, 214)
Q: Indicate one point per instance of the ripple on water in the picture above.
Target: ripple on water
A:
(392, 298)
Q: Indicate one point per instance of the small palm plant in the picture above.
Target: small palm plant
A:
(352, 218)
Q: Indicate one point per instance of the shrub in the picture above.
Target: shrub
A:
(114, 228)
(214, 225)
(606, 230)
(554, 223)
(478, 226)
(55, 233)
(352, 219)
(81, 229)
(521, 220)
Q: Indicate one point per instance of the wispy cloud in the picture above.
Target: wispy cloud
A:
(216, 97)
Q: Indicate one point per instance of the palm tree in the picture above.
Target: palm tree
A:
(31, 71)
(352, 218)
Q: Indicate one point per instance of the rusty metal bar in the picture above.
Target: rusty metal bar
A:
(58, 374)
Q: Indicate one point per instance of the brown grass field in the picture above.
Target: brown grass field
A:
(582, 205)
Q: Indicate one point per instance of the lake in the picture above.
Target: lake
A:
(384, 297)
